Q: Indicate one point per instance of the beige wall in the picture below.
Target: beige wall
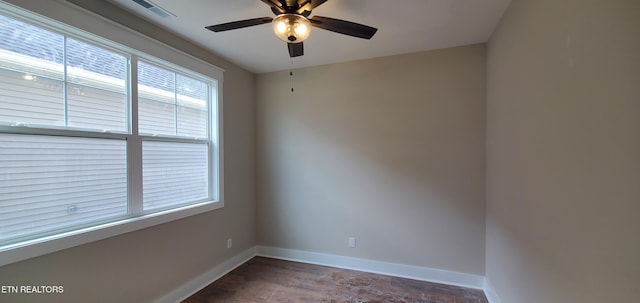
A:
(389, 150)
(563, 165)
(146, 264)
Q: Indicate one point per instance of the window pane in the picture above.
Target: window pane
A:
(171, 104)
(32, 75)
(192, 107)
(49, 183)
(30, 49)
(156, 100)
(94, 66)
(96, 94)
(31, 71)
(30, 100)
(95, 108)
(174, 173)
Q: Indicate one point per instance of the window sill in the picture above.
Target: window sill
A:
(29, 249)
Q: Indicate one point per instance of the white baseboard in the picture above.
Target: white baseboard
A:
(490, 293)
(201, 281)
(372, 266)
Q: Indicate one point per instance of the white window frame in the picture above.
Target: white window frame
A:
(135, 45)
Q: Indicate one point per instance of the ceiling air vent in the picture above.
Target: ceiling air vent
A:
(154, 8)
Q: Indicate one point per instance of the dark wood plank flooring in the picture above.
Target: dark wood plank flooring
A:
(268, 280)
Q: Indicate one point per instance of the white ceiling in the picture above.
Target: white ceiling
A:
(404, 26)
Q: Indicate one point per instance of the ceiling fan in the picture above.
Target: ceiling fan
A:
(293, 26)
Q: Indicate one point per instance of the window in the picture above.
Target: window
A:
(173, 105)
(96, 135)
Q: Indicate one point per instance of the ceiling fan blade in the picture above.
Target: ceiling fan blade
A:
(305, 8)
(343, 27)
(276, 6)
(238, 24)
(316, 3)
(295, 49)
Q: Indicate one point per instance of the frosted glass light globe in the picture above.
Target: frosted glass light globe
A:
(291, 28)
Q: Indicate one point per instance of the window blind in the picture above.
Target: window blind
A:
(174, 173)
(52, 183)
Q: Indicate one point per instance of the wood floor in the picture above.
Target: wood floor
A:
(269, 280)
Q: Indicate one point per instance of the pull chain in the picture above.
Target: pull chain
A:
(291, 75)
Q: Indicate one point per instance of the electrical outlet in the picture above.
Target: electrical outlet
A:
(229, 243)
(352, 242)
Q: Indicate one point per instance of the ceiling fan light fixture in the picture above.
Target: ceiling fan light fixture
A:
(291, 28)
